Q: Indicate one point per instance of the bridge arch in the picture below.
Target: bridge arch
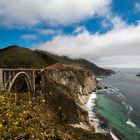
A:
(27, 80)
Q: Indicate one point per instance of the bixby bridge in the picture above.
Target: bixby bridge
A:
(9, 76)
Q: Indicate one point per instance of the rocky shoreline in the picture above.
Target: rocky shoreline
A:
(99, 123)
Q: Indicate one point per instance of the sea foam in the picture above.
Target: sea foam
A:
(128, 107)
(113, 136)
(99, 79)
(93, 119)
(129, 122)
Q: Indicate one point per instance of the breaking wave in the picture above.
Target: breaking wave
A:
(129, 122)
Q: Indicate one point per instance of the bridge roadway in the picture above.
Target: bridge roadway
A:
(9, 76)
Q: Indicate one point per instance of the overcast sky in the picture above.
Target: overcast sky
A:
(106, 32)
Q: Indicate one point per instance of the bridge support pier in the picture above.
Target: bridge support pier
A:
(1, 80)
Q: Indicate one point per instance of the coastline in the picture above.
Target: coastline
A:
(94, 119)
(100, 124)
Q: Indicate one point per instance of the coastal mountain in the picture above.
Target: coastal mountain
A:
(65, 86)
(19, 57)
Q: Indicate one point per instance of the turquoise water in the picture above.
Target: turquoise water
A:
(120, 103)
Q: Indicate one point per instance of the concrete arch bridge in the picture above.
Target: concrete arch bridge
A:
(9, 76)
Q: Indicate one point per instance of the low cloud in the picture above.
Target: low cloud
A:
(114, 22)
(118, 46)
(49, 31)
(16, 13)
(28, 37)
(120, 61)
(137, 7)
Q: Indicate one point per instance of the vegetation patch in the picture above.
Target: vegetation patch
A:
(26, 117)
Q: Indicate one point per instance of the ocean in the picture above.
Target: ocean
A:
(119, 102)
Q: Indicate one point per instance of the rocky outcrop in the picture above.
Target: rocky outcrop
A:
(138, 74)
(68, 87)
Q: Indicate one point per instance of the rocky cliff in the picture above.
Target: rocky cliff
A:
(67, 88)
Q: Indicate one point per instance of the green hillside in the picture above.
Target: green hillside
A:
(19, 57)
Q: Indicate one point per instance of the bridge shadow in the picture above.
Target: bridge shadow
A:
(20, 85)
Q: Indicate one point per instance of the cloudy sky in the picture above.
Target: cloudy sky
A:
(106, 32)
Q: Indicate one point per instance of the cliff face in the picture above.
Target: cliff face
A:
(68, 87)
